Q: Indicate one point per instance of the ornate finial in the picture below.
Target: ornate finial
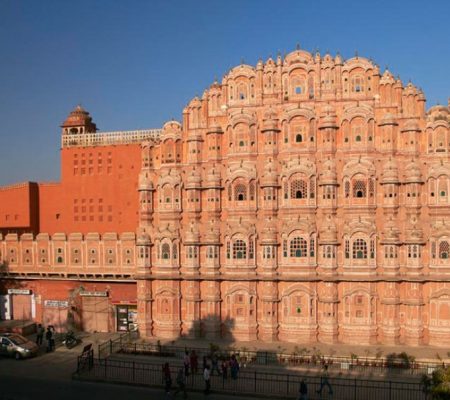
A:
(215, 78)
(242, 60)
(297, 47)
(278, 53)
(356, 53)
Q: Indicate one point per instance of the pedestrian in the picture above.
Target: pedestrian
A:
(324, 381)
(205, 362)
(303, 391)
(234, 367)
(52, 328)
(167, 378)
(194, 362)
(39, 334)
(207, 378)
(215, 364)
(186, 363)
(224, 368)
(49, 339)
(181, 382)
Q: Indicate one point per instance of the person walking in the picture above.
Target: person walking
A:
(39, 334)
(207, 378)
(215, 364)
(181, 382)
(224, 368)
(186, 363)
(324, 381)
(167, 378)
(303, 391)
(49, 339)
(194, 362)
(234, 367)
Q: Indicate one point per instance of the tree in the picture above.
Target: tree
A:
(439, 384)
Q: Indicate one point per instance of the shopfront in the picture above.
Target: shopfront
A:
(126, 317)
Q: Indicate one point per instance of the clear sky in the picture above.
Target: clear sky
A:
(135, 64)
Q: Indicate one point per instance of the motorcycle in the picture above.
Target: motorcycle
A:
(70, 340)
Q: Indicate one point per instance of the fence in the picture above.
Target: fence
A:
(399, 366)
(114, 346)
(248, 382)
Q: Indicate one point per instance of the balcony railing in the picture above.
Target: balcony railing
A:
(109, 138)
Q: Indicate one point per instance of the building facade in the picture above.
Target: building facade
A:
(303, 199)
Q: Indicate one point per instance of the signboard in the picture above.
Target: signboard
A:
(56, 303)
(19, 291)
(132, 302)
(89, 293)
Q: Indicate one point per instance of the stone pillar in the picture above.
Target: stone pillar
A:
(267, 311)
(210, 311)
(190, 309)
(144, 306)
(390, 325)
(327, 312)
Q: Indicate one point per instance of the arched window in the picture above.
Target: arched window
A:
(174, 251)
(359, 189)
(298, 247)
(299, 189)
(240, 192)
(299, 138)
(347, 189)
(239, 249)
(443, 249)
(252, 191)
(357, 84)
(359, 248)
(165, 251)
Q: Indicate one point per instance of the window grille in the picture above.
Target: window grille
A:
(252, 191)
(359, 249)
(359, 189)
(239, 249)
(443, 250)
(433, 250)
(312, 188)
(165, 251)
(347, 189)
(240, 192)
(347, 248)
(299, 189)
(251, 252)
(298, 247)
(174, 251)
(285, 252)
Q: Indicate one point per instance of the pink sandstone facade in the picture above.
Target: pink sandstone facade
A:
(304, 199)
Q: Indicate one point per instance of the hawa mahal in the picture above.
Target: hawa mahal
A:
(303, 199)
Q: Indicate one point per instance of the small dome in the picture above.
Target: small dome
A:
(412, 173)
(388, 119)
(143, 239)
(145, 182)
(192, 234)
(193, 180)
(390, 172)
(270, 177)
(269, 236)
(411, 125)
(328, 176)
(79, 117)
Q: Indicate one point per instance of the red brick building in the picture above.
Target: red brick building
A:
(303, 199)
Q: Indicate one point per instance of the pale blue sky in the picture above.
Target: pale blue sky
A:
(134, 64)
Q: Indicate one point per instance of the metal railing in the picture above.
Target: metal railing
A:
(116, 345)
(109, 138)
(249, 382)
(362, 364)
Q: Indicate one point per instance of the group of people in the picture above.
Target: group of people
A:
(49, 336)
(211, 364)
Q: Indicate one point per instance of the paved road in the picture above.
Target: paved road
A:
(48, 377)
